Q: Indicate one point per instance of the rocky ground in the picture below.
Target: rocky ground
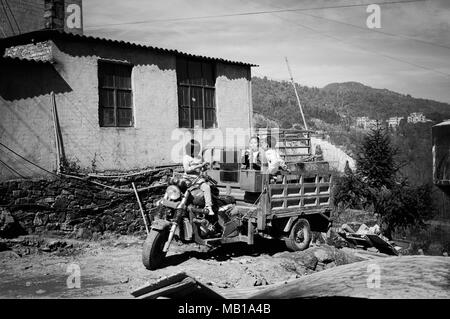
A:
(37, 267)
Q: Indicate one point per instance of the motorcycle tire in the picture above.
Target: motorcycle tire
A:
(152, 251)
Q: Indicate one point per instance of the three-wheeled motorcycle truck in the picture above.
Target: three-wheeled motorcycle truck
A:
(287, 206)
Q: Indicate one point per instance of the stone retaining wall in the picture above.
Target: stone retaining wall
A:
(74, 208)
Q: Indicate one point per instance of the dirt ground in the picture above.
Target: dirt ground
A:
(37, 267)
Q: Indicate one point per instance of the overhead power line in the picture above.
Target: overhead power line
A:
(7, 17)
(34, 164)
(378, 31)
(12, 169)
(362, 48)
(249, 13)
(12, 15)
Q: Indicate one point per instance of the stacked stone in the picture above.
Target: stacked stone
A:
(75, 208)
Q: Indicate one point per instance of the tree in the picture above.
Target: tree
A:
(375, 161)
(403, 206)
(376, 184)
(350, 191)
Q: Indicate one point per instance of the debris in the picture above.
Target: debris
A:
(40, 291)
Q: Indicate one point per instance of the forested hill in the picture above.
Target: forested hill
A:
(337, 103)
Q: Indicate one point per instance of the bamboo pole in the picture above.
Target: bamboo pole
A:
(55, 127)
(296, 94)
(140, 207)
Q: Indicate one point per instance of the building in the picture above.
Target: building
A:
(417, 117)
(361, 121)
(394, 122)
(118, 105)
(365, 123)
(23, 16)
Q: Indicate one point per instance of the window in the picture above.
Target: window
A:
(115, 94)
(196, 102)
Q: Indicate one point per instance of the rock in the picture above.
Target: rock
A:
(260, 282)
(324, 254)
(3, 246)
(40, 219)
(435, 249)
(48, 200)
(28, 284)
(330, 265)
(96, 236)
(9, 228)
(23, 201)
(9, 254)
(40, 291)
(309, 260)
(83, 233)
(83, 193)
(61, 202)
(19, 193)
(124, 280)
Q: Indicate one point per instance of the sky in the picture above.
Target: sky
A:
(409, 54)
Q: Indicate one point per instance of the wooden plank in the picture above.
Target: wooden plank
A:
(161, 283)
(185, 286)
(177, 286)
(382, 245)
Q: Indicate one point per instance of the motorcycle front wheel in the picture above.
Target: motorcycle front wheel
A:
(152, 251)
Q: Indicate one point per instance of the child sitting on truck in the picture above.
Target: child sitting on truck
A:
(272, 156)
(252, 156)
(192, 164)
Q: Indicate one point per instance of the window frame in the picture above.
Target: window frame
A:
(115, 89)
(187, 85)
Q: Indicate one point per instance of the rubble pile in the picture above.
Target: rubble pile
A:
(76, 208)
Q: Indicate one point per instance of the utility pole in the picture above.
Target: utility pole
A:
(296, 94)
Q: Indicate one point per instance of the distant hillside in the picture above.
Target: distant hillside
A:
(337, 103)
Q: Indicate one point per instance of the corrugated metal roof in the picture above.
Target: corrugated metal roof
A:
(49, 34)
(445, 123)
(10, 59)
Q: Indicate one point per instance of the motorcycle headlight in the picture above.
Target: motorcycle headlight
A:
(172, 193)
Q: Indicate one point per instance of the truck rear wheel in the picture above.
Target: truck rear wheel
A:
(300, 236)
(152, 252)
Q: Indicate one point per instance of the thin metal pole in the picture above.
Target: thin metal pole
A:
(296, 94)
(140, 207)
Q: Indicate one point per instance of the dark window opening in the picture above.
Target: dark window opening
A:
(115, 95)
(196, 93)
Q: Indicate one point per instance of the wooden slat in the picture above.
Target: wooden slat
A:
(185, 286)
(163, 282)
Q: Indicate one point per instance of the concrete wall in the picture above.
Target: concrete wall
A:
(26, 124)
(155, 138)
(29, 15)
